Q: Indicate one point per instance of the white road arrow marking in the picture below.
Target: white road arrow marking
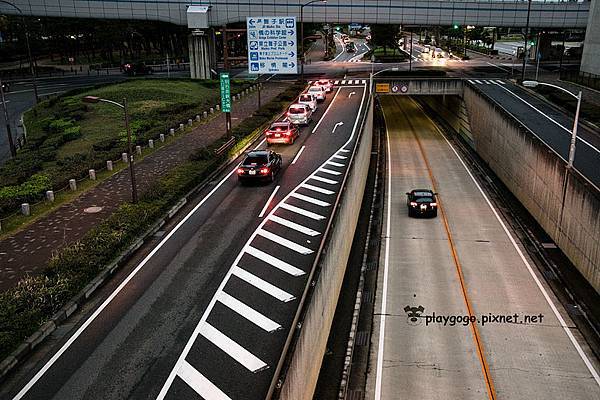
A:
(336, 125)
(351, 93)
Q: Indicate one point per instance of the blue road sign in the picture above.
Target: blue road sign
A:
(272, 45)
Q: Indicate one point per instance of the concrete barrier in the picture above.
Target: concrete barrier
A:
(305, 363)
(535, 175)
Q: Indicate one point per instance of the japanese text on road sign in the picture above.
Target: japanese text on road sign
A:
(272, 45)
(225, 92)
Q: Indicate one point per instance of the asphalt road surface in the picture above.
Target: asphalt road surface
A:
(548, 124)
(464, 262)
(205, 311)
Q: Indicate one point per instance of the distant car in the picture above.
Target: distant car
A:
(318, 91)
(5, 87)
(299, 114)
(326, 83)
(134, 69)
(350, 47)
(259, 165)
(309, 100)
(282, 132)
(421, 202)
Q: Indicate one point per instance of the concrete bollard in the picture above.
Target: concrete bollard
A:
(92, 173)
(212, 110)
(238, 96)
(73, 184)
(138, 150)
(181, 126)
(124, 157)
(109, 165)
(50, 195)
(233, 99)
(218, 107)
(172, 131)
(198, 117)
(190, 122)
(151, 143)
(25, 210)
(162, 137)
(205, 115)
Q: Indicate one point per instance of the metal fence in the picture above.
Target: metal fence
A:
(582, 78)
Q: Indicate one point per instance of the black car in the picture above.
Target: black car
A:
(351, 47)
(259, 165)
(134, 69)
(421, 202)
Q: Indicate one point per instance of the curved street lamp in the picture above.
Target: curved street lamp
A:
(302, 34)
(31, 67)
(123, 106)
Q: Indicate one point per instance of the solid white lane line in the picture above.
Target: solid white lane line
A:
(329, 171)
(320, 179)
(110, 298)
(326, 111)
(199, 383)
(383, 312)
(298, 155)
(340, 157)
(264, 210)
(233, 349)
(317, 189)
(546, 115)
(545, 294)
(309, 199)
(302, 211)
(293, 225)
(274, 261)
(261, 143)
(335, 164)
(249, 313)
(261, 284)
(285, 242)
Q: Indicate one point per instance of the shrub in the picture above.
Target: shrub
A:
(11, 197)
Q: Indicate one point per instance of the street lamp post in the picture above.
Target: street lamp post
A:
(31, 66)
(526, 39)
(572, 145)
(123, 106)
(377, 73)
(302, 34)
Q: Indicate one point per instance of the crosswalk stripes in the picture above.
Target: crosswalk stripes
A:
(486, 81)
(345, 82)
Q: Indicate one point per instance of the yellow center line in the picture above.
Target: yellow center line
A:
(476, 337)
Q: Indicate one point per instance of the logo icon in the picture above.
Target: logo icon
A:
(414, 314)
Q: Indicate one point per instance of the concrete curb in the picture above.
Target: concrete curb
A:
(29, 344)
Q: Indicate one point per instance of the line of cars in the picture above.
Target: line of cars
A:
(263, 165)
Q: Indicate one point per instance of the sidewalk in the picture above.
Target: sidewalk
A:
(28, 251)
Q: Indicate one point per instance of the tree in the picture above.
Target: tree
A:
(384, 36)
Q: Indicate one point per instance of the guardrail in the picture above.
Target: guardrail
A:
(225, 146)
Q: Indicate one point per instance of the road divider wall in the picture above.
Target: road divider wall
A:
(305, 362)
(535, 175)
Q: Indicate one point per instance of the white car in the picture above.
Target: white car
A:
(309, 100)
(299, 114)
(318, 91)
(324, 83)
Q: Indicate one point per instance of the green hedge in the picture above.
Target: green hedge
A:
(35, 299)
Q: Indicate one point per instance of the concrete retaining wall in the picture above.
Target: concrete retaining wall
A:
(302, 375)
(453, 110)
(535, 175)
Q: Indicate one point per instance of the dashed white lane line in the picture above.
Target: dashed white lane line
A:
(274, 261)
(249, 313)
(325, 180)
(335, 164)
(293, 225)
(317, 189)
(302, 211)
(298, 155)
(199, 383)
(234, 350)
(298, 248)
(261, 284)
(329, 171)
(264, 210)
(309, 199)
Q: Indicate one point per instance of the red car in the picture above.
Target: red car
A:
(282, 132)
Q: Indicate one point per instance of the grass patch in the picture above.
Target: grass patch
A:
(386, 55)
(589, 111)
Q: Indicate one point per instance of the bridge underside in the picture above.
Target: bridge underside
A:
(554, 14)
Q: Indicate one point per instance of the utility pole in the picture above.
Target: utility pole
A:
(134, 196)
(11, 144)
(411, 52)
(526, 39)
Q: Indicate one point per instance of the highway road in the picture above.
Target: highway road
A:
(550, 125)
(205, 310)
(464, 263)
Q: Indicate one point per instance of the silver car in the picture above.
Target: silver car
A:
(299, 114)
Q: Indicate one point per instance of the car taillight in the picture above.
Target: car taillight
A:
(288, 133)
(240, 171)
(413, 203)
(264, 170)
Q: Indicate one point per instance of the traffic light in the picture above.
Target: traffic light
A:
(455, 26)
